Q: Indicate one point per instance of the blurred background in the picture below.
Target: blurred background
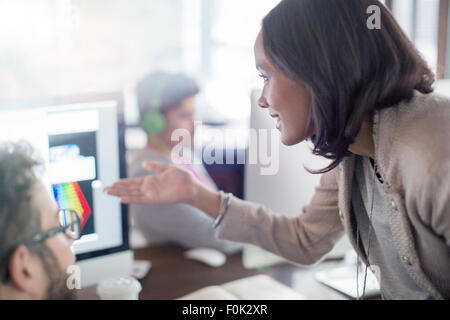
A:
(63, 47)
(58, 48)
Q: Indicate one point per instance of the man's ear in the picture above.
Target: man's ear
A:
(26, 272)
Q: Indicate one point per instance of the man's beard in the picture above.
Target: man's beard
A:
(57, 278)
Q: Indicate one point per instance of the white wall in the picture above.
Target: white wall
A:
(442, 87)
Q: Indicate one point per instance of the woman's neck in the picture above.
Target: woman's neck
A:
(364, 145)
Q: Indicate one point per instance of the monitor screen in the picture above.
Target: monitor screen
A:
(81, 143)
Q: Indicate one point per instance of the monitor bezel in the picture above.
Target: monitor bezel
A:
(55, 101)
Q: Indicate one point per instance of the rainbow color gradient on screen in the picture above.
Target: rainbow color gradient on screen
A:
(69, 196)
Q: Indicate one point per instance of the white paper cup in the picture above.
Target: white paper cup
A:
(119, 288)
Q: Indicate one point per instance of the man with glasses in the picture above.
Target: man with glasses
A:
(35, 236)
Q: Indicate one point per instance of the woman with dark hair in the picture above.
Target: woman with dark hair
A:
(364, 98)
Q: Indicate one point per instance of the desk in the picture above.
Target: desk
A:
(173, 276)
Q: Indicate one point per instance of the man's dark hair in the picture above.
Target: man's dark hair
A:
(350, 69)
(19, 216)
(164, 91)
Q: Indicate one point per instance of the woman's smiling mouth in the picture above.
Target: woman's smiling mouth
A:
(278, 119)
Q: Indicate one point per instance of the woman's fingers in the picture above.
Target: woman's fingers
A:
(124, 186)
(134, 190)
(129, 182)
(154, 166)
(134, 199)
(142, 189)
(120, 192)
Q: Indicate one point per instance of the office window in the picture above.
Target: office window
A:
(419, 19)
(228, 67)
(58, 47)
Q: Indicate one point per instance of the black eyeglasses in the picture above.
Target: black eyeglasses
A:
(69, 224)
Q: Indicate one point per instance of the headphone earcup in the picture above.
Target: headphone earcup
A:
(154, 122)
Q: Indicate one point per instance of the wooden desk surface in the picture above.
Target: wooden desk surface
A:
(172, 276)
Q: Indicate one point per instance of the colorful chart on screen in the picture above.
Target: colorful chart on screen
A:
(72, 172)
(69, 195)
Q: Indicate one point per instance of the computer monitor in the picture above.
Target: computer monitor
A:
(81, 141)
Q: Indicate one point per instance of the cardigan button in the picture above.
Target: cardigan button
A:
(407, 260)
(394, 206)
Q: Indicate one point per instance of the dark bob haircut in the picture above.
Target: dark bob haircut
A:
(164, 91)
(351, 70)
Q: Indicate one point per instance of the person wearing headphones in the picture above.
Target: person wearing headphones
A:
(166, 103)
(363, 95)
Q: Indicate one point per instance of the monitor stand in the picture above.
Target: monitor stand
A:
(94, 270)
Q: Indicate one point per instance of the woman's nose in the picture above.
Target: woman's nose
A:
(262, 102)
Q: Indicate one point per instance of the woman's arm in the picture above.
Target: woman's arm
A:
(207, 201)
(304, 239)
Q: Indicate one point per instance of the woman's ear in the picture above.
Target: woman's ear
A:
(26, 273)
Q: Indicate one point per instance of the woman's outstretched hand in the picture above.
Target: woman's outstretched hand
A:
(169, 185)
